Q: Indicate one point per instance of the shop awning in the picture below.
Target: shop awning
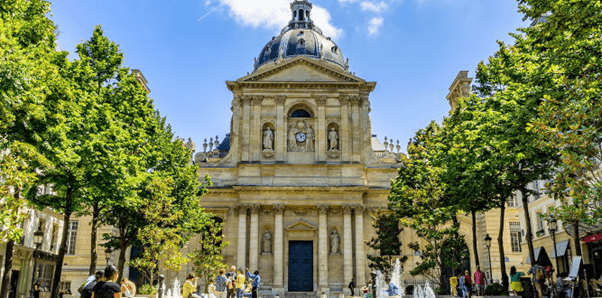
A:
(540, 256)
(561, 248)
(592, 238)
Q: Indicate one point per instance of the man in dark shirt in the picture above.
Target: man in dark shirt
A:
(87, 291)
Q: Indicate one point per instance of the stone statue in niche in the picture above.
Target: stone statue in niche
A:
(268, 139)
(266, 243)
(333, 140)
(300, 137)
(334, 242)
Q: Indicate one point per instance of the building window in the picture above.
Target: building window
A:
(515, 238)
(540, 228)
(65, 287)
(54, 239)
(513, 201)
(71, 236)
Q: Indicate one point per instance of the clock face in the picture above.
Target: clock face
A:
(300, 137)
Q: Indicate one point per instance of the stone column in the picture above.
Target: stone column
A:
(234, 134)
(320, 130)
(322, 248)
(256, 133)
(254, 238)
(347, 248)
(356, 129)
(242, 237)
(344, 132)
(278, 248)
(366, 130)
(246, 111)
(280, 136)
(360, 255)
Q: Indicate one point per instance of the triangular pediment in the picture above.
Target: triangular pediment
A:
(301, 69)
(301, 225)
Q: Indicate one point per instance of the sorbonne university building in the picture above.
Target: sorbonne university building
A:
(296, 183)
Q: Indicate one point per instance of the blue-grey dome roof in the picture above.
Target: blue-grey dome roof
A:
(301, 38)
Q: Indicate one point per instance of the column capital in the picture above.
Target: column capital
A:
(344, 100)
(241, 209)
(278, 208)
(236, 101)
(257, 100)
(246, 100)
(354, 100)
(280, 99)
(254, 208)
(359, 209)
(323, 208)
(321, 99)
(347, 209)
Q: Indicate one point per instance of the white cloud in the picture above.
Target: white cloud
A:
(208, 2)
(374, 25)
(348, 1)
(275, 14)
(375, 7)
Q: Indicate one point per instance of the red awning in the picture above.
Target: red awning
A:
(592, 238)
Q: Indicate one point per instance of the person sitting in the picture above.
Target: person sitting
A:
(393, 288)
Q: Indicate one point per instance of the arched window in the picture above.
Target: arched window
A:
(300, 114)
(301, 14)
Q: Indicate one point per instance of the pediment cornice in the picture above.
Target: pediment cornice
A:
(301, 225)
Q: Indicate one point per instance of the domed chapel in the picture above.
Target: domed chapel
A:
(301, 174)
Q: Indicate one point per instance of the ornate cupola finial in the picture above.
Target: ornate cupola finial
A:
(301, 10)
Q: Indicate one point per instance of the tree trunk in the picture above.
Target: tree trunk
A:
(58, 270)
(474, 237)
(93, 239)
(121, 262)
(529, 236)
(500, 241)
(576, 238)
(8, 268)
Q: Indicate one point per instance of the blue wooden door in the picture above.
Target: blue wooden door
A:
(300, 266)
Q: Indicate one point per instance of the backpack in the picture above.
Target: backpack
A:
(540, 273)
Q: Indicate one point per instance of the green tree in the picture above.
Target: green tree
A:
(569, 42)
(386, 243)
(208, 258)
(418, 197)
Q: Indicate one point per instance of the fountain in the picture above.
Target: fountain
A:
(396, 278)
(424, 291)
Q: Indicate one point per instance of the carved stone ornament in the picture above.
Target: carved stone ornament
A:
(347, 209)
(300, 137)
(268, 154)
(255, 208)
(200, 157)
(335, 241)
(280, 99)
(242, 209)
(333, 154)
(322, 208)
(278, 208)
(344, 99)
(333, 140)
(321, 100)
(257, 100)
(268, 139)
(301, 211)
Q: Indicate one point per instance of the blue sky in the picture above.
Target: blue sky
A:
(187, 49)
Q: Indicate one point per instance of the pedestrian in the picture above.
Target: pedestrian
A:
(538, 274)
(239, 282)
(255, 280)
(211, 289)
(515, 285)
(36, 289)
(220, 284)
(230, 286)
(108, 288)
(190, 286)
(247, 291)
(87, 290)
(366, 290)
(465, 284)
(468, 282)
(352, 286)
(479, 281)
(453, 284)
(125, 288)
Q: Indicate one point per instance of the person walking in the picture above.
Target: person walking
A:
(453, 284)
(352, 286)
(538, 274)
(479, 281)
(255, 280)
(239, 283)
(464, 282)
(515, 285)
(108, 288)
(220, 284)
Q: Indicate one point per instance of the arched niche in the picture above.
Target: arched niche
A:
(333, 135)
(268, 131)
(300, 110)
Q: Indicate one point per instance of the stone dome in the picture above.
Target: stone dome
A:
(301, 38)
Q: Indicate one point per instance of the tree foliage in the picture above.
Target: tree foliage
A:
(386, 243)
(209, 258)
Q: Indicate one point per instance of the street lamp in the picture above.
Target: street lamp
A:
(108, 252)
(553, 226)
(38, 238)
(488, 244)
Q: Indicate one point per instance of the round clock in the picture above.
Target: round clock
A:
(300, 136)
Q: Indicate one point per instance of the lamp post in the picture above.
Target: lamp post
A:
(108, 252)
(488, 244)
(553, 226)
(38, 237)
